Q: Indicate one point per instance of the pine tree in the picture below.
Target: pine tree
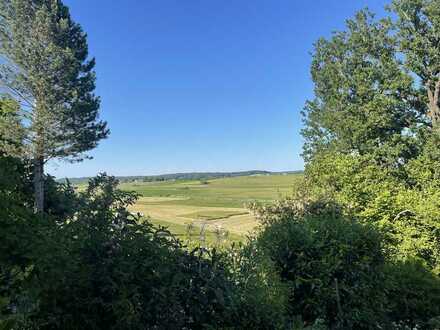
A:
(46, 69)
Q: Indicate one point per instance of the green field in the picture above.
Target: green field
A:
(217, 204)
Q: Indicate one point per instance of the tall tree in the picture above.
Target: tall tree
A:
(373, 129)
(365, 102)
(419, 35)
(46, 68)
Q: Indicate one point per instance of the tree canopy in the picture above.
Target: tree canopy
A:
(372, 137)
(47, 71)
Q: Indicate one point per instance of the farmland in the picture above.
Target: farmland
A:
(213, 204)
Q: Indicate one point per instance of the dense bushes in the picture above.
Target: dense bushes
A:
(413, 295)
(93, 265)
(333, 266)
(308, 266)
(343, 272)
(260, 295)
(16, 224)
(104, 270)
(398, 202)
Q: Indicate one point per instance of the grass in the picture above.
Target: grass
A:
(219, 203)
(228, 192)
(180, 231)
(212, 215)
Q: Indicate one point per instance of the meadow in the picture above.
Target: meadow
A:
(217, 205)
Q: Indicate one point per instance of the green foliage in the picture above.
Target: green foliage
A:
(414, 295)
(361, 103)
(101, 269)
(48, 72)
(406, 211)
(372, 141)
(423, 171)
(11, 130)
(60, 200)
(92, 264)
(17, 224)
(418, 33)
(260, 295)
(410, 220)
(328, 262)
(312, 244)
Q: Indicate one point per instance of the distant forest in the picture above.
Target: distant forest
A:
(183, 176)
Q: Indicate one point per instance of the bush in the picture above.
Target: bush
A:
(403, 203)
(313, 244)
(260, 297)
(16, 223)
(409, 219)
(413, 295)
(333, 267)
(91, 264)
(60, 200)
(103, 269)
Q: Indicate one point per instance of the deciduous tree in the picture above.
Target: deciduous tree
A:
(365, 102)
(419, 39)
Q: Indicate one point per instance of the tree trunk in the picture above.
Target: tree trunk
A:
(39, 185)
(433, 105)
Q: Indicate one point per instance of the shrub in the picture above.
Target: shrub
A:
(61, 201)
(384, 278)
(93, 265)
(413, 295)
(16, 227)
(260, 297)
(103, 269)
(409, 219)
(333, 267)
(403, 203)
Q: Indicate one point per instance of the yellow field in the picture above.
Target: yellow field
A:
(215, 204)
(184, 214)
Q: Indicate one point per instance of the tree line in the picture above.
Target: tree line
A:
(182, 176)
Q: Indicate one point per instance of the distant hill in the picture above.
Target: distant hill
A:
(183, 176)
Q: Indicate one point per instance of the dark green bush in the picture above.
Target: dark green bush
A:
(260, 297)
(61, 201)
(333, 267)
(328, 262)
(413, 295)
(13, 217)
(325, 256)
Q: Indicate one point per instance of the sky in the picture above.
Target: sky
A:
(203, 85)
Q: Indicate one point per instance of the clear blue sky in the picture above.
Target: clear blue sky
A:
(203, 85)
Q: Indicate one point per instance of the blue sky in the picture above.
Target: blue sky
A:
(203, 85)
